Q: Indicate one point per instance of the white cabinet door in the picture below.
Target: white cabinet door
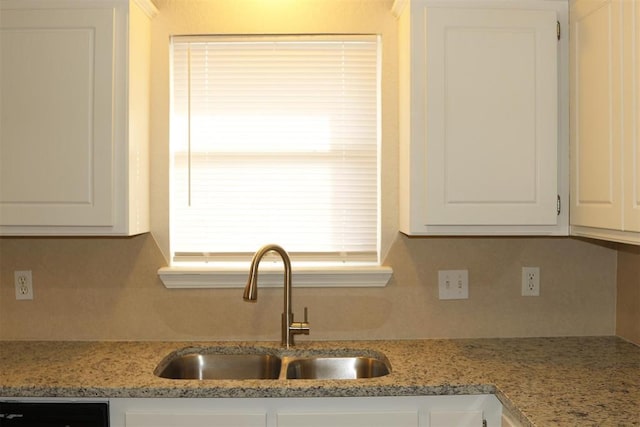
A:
(480, 119)
(491, 117)
(74, 117)
(631, 147)
(595, 114)
(605, 190)
(165, 419)
(56, 131)
(455, 418)
(509, 420)
(349, 419)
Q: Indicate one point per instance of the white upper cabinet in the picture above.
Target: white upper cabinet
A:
(483, 117)
(605, 91)
(631, 107)
(74, 110)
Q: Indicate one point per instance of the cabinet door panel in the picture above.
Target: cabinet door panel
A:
(56, 137)
(492, 124)
(596, 108)
(631, 148)
(349, 419)
(455, 418)
(163, 419)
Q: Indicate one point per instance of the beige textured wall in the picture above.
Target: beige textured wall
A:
(107, 289)
(628, 294)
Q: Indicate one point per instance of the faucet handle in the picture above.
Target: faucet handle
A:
(296, 328)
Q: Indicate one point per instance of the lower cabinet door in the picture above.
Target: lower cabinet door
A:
(348, 419)
(382, 411)
(163, 419)
(455, 418)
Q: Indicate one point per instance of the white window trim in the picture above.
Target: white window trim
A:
(344, 275)
(183, 277)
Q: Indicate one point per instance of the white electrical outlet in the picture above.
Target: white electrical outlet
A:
(453, 284)
(530, 281)
(24, 284)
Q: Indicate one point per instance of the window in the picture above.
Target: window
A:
(275, 139)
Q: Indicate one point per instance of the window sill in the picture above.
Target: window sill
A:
(302, 277)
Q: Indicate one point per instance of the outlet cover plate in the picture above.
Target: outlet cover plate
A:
(453, 284)
(24, 284)
(530, 281)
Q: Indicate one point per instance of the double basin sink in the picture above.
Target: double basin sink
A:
(238, 364)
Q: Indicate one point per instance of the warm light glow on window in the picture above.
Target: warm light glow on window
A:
(252, 133)
(275, 140)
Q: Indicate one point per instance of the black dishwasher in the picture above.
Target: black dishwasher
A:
(54, 414)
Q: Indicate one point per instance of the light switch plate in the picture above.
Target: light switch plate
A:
(453, 284)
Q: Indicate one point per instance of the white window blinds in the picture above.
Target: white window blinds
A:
(275, 140)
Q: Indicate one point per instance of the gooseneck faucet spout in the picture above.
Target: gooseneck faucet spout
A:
(289, 327)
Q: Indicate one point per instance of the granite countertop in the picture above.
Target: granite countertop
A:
(542, 381)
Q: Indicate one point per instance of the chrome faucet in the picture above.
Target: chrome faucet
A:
(289, 327)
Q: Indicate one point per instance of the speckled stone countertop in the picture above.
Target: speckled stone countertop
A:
(542, 381)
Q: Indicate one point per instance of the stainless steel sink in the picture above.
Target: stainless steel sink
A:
(214, 366)
(240, 364)
(338, 368)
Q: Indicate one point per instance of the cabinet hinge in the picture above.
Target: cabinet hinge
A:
(559, 205)
(558, 29)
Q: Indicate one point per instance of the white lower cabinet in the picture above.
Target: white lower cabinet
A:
(408, 418)
(405, 411)
(165, 419)
(509, 420)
